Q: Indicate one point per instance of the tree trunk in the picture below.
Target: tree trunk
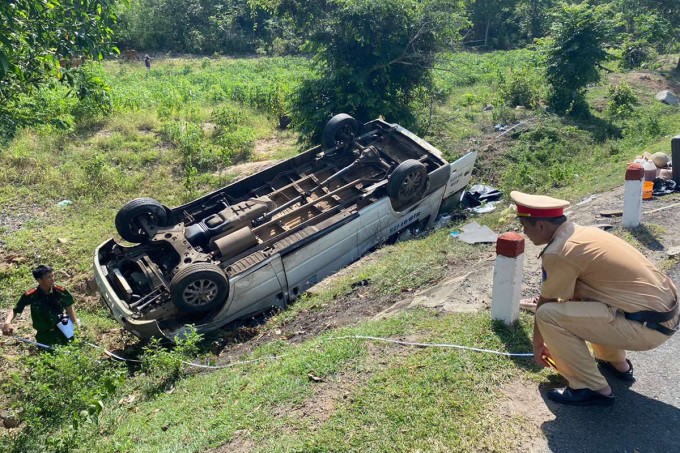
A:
(486, 32)
(677, 67)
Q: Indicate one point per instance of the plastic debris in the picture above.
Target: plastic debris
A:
(586, 200)
(474, 233)
(442, 221)
(455, 234)
(500, 127)
(663, 187)
(64, 203)
(485, 207)
(478, 194)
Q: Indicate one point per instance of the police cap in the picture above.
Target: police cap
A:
(538, 205)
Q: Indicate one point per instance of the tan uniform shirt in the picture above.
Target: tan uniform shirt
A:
(586, 263)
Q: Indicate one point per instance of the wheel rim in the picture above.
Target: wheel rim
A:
(343, 134)
(411, 185)
(136, 228)
(200, 292)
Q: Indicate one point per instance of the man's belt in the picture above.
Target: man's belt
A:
(652, 319)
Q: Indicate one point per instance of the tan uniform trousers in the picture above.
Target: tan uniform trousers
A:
(567, 326)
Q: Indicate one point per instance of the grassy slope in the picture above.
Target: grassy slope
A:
(380, 396)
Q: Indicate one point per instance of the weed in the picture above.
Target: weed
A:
(162, 366)
(68, 385)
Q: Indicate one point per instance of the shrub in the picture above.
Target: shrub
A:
(163, 366)
(635, 54)
(521, 88)
(66, 388)
(573, 53)
(622, 101)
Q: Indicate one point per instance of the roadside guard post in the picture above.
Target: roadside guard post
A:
(632, 196)
(507, 277)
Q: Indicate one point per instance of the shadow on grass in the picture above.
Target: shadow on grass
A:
(646, 237)
(516, 340)
(599, 129)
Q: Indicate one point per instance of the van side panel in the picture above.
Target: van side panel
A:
(309, 264)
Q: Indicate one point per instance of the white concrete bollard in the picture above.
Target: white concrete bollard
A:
(507, 277)
(632, 196)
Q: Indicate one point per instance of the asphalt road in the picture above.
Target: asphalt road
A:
(645, 416)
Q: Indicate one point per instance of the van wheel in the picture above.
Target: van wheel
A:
(407, 183)
(128, 218)
(199, 287)
(339, 131)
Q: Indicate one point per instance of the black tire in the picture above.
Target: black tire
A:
(339, 131)
(199, 287)
(407, 183)
(127, 223)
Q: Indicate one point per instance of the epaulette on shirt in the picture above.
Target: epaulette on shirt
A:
(31, 291)
(61, 289)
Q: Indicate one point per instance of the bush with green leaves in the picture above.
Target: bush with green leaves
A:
(373, 58)
(92, 91)
(163, 365)
(522, 87)
(574, 52)
(622, 101)
(65, 388)
(634, 54)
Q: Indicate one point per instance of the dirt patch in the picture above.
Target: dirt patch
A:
(266, 148)
(523, 400)
(241, 443)
(644, 81)
(247, 169)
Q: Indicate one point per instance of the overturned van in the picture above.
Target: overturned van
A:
(262, 241)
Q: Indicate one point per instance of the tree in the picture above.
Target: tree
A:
(574, 52)
(37, 35)
(373, 58)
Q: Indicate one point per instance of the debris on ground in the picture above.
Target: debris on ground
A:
(474, 233)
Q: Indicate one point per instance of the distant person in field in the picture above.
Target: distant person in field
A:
(596, 289)
(48, 302)
(147, 61)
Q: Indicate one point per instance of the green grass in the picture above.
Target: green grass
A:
(404, 398)
(174, 135)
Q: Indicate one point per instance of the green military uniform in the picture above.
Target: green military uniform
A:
(45, 311)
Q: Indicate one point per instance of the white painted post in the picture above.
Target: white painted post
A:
(507, 277)
(632, 196)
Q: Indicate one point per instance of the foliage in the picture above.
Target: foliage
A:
(162, 366)
(622, 101)
(545, 158)
(38, 37)
(68, 385)
(521, 88)
(635, 54)
(573, 52)
(373, 58)
(92, 91)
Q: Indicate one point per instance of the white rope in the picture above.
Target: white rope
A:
(435, 345)
(34, 343)
(123, 359)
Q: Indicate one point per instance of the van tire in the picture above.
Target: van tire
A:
(407, 183)
(199, 288)
(127, 217)
(339, 132)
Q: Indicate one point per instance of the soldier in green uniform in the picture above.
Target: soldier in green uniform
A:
(47, 302)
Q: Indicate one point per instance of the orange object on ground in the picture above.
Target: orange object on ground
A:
(647, 189)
